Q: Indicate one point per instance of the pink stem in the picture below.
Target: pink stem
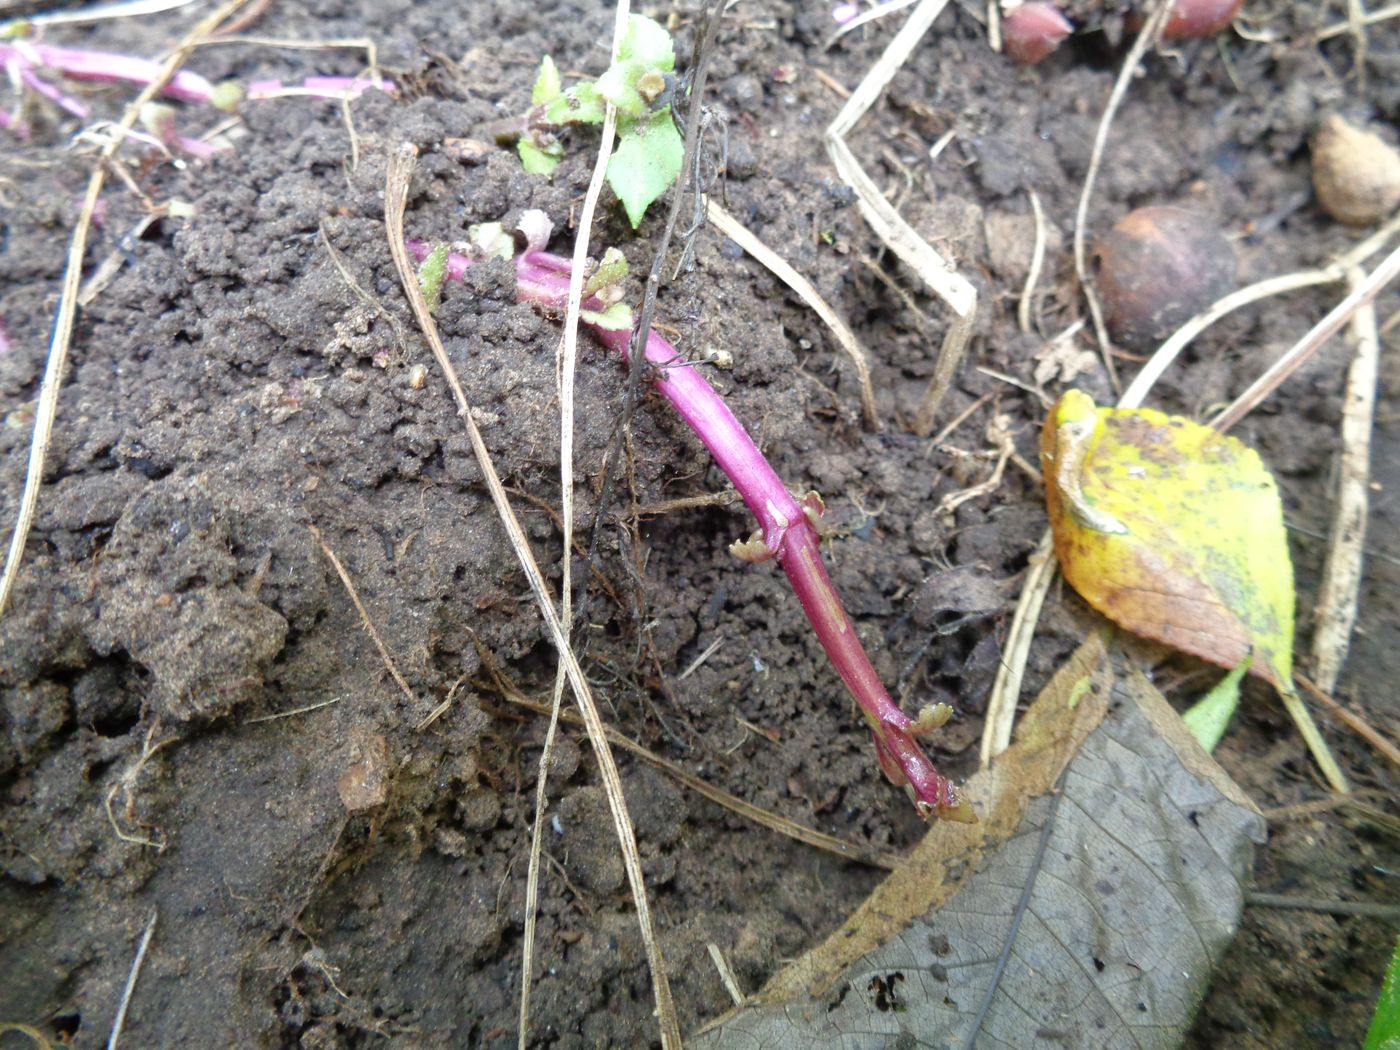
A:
(98, 65)
(38, 84)
(788, 531)
(318, 87)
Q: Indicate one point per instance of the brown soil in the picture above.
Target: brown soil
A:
(228, 390)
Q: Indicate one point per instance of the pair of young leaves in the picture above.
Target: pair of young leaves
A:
(1175, 532)
(650, 148)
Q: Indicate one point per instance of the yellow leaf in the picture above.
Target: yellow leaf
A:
(1173, 531)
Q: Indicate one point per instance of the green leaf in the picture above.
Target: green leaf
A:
(1208, 716)
(616, 318)
(1384, 1033)
(646, 41)
(646, 52)
(431, 273)
(618, 85)
(1173, 531)
(547, 85)
(646, 163)
(539, 161)
(581, 104)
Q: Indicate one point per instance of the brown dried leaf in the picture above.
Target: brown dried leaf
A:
(1137, 896)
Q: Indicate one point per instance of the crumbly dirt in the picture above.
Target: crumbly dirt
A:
(196, 725)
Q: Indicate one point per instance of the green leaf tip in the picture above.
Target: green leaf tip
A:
(1384, 1033)
(646, 40)
(1208, 717)
(548, 86)
(647, 161)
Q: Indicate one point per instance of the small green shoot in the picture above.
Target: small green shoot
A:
(638, 83)
(548, 86)
(607, 275)
(431, 273)
(1208, 716)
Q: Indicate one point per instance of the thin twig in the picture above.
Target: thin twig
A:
(1006, 447)
(295, 711)
(365, 621)
(1334, 272)
(727, 498)
(780, 268)
(1368, 19)
(874, 14)
(699, 661)
(689, 162)
(1386, 912)
(47, 408)
(346, 43)
(1356, 18)
(925, 322)
(130, 988)
(1371, 551)
(726, 973)
(889, 225)
(88, 15)
(400, 173)
(957, 421)
(370, 301)
(1145, 39)
(1307, 346)
(1023, 308)
(1011, 671)
(1312, 736)
(247, 18)
(109, 267)
(568, 358)
(441, 709)
(125, 785)
(1322, 805)
(1335, 612)
(791, 829)
(1354, 722)
(1162, 358)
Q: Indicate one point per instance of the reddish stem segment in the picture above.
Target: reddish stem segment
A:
(788, 532)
